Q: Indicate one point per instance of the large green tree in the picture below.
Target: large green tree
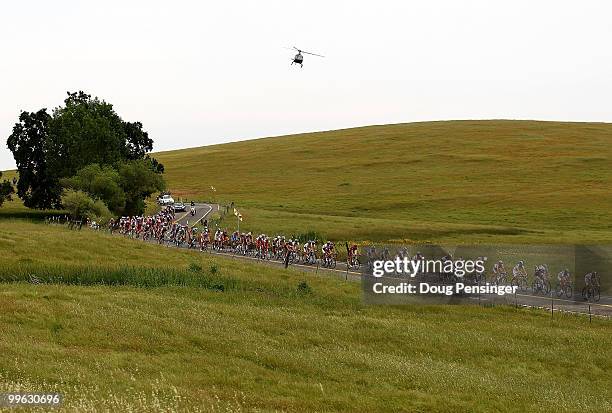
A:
(84, 131)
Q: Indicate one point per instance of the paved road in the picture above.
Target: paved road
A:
(603, 307)
(202, 212)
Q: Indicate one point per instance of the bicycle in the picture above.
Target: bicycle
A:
(353, 262)
(592, 292)
(329, 260)
(519, 281)
(541, 285)
(309, 258)
(500, 278)
(564, 289)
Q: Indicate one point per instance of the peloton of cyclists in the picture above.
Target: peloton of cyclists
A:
(163, 229)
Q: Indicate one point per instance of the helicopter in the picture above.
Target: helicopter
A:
(299, 58)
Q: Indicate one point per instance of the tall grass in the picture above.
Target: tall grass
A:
(128, 275)
(147, 277)
(179, 348)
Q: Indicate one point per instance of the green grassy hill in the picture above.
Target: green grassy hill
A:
(128, 326)
(458, 181)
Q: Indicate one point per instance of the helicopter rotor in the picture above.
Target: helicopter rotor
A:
(310, 53)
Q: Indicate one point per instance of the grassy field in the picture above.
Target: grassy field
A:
(214, 334)
(459, 181)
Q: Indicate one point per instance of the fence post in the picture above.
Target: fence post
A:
(552, 304)
(590, 319)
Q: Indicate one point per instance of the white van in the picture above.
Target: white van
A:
(165, 200)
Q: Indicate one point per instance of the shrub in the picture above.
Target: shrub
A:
(304, 288)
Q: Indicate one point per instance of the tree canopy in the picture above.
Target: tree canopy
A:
(6, 189)
(29, 144)
(122, 189)
(84, 131)
(101, 183)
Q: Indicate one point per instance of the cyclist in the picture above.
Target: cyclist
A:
(563, 277)
(306, 248)
(499, 270)
(480, 275)
(194, 237)
(590, 279)
(352, 252)
(519, 270)
(328, 250)
(204, 239)
(401, 253)
(541, 272)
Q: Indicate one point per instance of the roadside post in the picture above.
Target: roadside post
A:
(347, 261)
(552, 304)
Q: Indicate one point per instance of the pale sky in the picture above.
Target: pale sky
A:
(202, 72)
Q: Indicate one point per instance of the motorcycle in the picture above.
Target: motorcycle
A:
(193, 211)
